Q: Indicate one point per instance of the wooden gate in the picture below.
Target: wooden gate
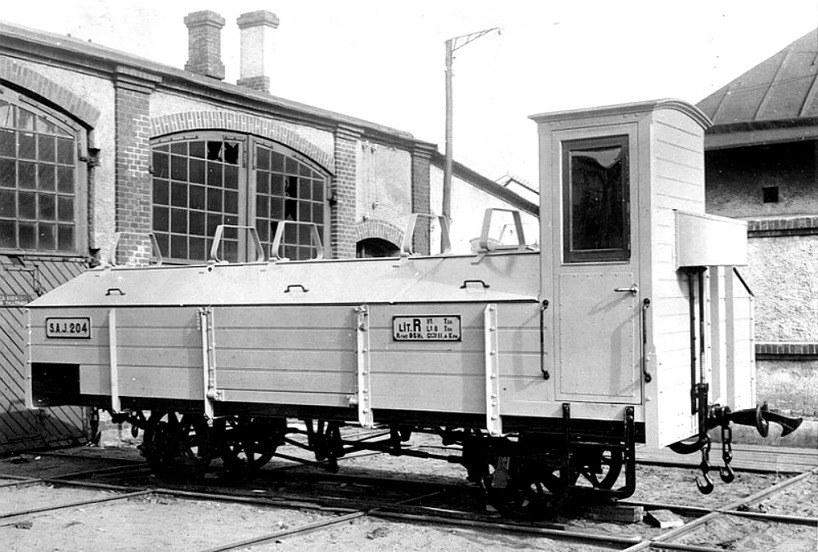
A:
(22, 279)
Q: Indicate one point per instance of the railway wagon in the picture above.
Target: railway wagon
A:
(630, 323)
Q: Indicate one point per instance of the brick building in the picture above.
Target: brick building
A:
(100, 147)
(761, 158)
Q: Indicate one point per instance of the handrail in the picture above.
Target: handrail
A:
(156, 253)
(406, 247)
(279, 235)
(485, 246)
(217, 238)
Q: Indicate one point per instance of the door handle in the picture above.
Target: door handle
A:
(634, 289)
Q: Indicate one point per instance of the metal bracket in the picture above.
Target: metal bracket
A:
(365, 417)
(116, 405)
(494, 423)
(210, 393)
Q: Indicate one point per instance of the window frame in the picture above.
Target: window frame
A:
(79, 158)
(606, 255)
(247, 187)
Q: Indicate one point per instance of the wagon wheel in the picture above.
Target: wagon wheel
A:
(538, 483)
(177, 445)
(248, 443)
(599, 465)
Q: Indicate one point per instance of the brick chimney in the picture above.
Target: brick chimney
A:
(257, 49)
(205, 44)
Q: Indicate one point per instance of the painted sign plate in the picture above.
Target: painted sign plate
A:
(68, 328)
(426, 328)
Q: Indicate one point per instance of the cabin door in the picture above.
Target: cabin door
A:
(596, 287)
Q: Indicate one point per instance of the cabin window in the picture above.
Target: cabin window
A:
(39, 197)
(596, 213)
(203, 181)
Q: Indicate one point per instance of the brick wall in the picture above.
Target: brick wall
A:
(343, 233)
(133, 157)
(421, 194)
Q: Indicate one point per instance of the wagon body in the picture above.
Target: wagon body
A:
(629, 308)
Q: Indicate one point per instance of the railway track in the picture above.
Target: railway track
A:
(343, 499)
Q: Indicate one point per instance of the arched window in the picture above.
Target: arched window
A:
(206, 179)
(42, 206)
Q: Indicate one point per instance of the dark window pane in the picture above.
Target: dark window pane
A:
(65, 238)
(262, 183)
(46, 150)
(178, 221)
(160, 192)
(48, 236)
(318, 213)
(178, 247)
(291, 233)
(65, 209)
(304, 170)
(8, 234)
(8, 173)
(165, 148)
(318, 190)
(213, 220)
(197, 171)
(197, 197)
(25, 119)
(231, 177)
(290, 209)
(214, 174)
(231, 220)
(597, 201)
(27, 175)
(65, 180)
(178, 194)
(178, 167)
(277, 162)
(262, 206)
(231, 153)
(214, 151)
(231, 202)
(45, 177)
(8, 142)
(160, 219)
(198, 250)
(262, 158)
(197, 149)
(305, 235)
(290, 165)
(28, 235)
(304, 211)
(8, 204)
(231, 251)
(277, 208)
(160, 165)
(214, 200)
(28, 145)
(47, 206)
(65, 151)
(27, 205)
(263, 230)
(179, 148)
(197, 223)
(291, 186)
(163, 241)
(276, 185)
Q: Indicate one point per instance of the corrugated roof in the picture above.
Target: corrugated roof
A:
(781, 88)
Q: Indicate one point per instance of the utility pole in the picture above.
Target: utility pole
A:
(451, 45)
